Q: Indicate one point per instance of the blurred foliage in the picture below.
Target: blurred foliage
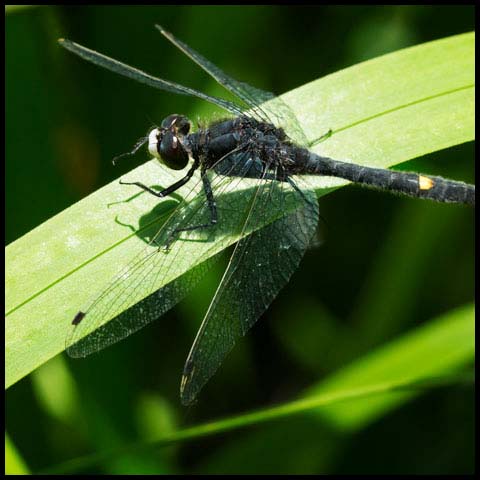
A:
(403, 261)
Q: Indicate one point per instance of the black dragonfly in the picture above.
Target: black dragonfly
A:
(249, 177)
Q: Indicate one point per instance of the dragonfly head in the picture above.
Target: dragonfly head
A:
(165, 142)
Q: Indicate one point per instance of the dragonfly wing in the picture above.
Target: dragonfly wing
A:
(261, 265)
(142, 77)
(265, 106)
(131, 300)
(251, 96)
(155, 279)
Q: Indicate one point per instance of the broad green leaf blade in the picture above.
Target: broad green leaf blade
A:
(434, 355)
(383, 112)
(395, 107)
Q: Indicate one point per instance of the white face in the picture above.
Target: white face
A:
(153, 142)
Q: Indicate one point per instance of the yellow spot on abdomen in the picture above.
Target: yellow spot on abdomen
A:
(425, 183)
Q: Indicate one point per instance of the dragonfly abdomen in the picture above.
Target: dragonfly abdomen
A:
(411, 184)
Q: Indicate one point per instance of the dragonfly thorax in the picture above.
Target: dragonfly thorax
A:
(165, 142)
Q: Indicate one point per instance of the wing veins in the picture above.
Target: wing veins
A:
(140, 76)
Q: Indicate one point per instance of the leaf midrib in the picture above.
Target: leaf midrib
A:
(399, 108)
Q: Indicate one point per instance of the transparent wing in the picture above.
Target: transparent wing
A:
(261, 264)
(142, 77)
(251, 96)
(150, 284)
(265, 106)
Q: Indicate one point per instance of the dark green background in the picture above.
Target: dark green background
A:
(387, 265)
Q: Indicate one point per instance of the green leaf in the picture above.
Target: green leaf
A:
(18, 8)
(431, 356)
(437, 348)
(383, 112)
(14, 463)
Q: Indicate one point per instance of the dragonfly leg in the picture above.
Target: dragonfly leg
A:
(211, 203)
(168, 190)
(142, 141)
(212, 206)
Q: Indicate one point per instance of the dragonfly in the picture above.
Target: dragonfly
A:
(248, 186)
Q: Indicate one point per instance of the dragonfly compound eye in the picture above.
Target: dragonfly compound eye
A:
(177, 123)
(171, 151)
